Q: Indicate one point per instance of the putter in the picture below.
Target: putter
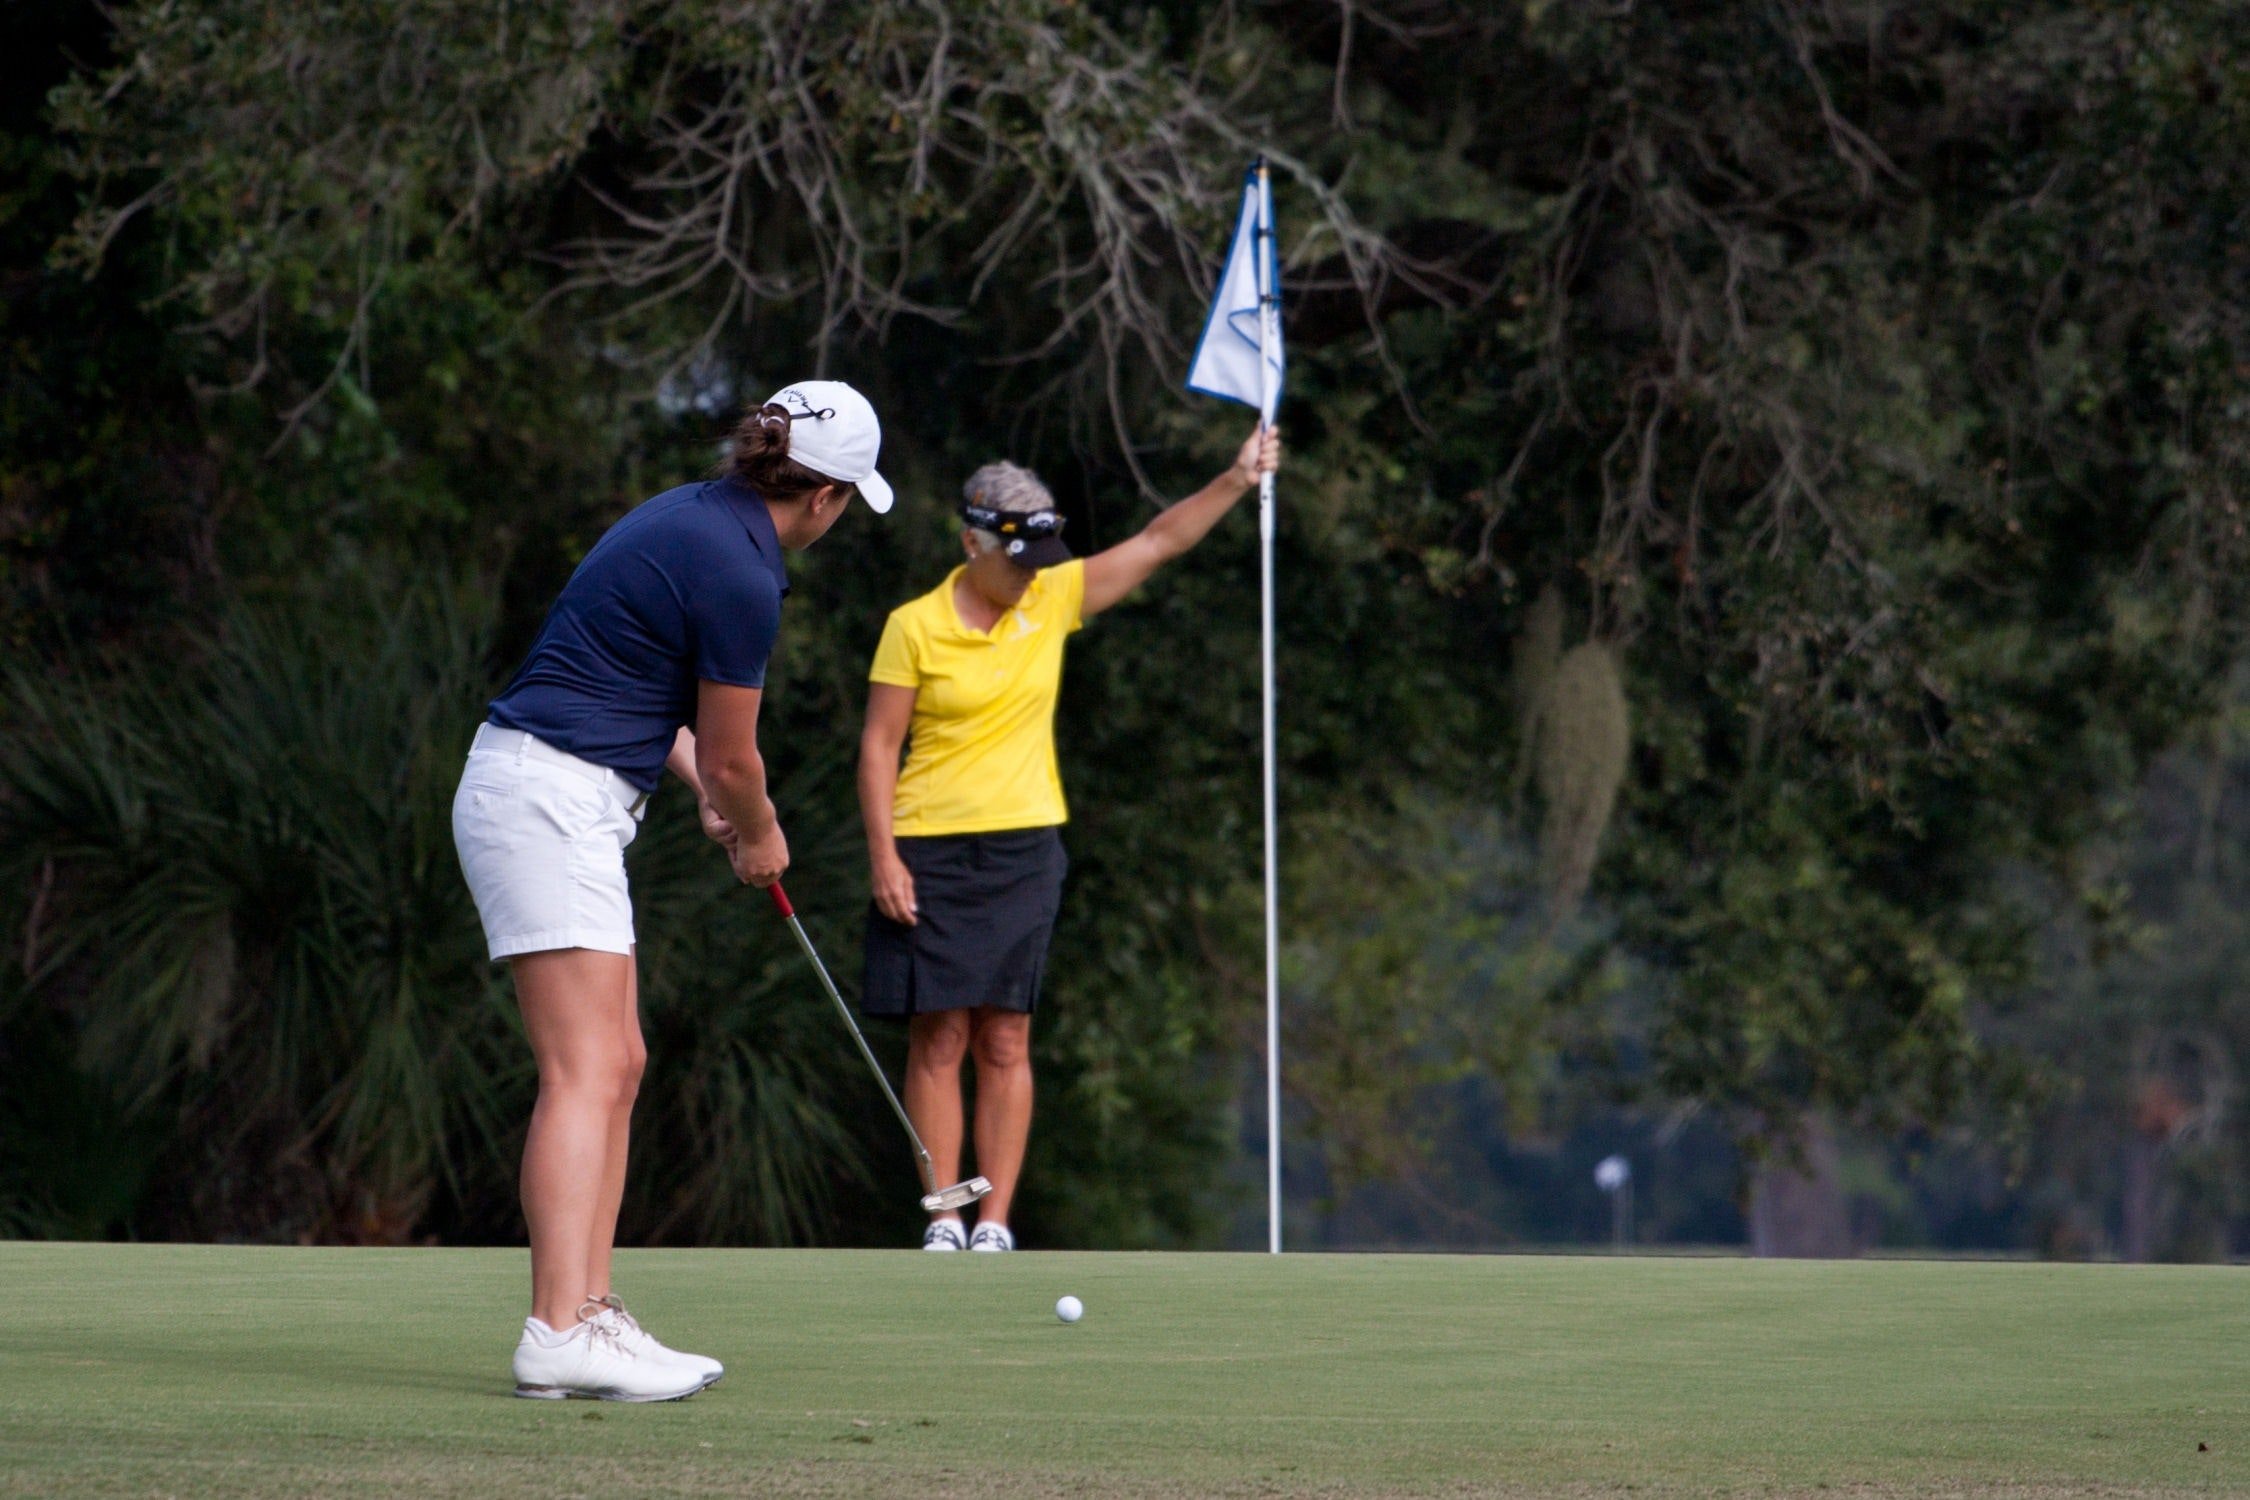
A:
(934, 1198)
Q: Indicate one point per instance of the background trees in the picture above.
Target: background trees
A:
(1816, 427)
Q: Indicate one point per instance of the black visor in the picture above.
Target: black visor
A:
(1031, 539)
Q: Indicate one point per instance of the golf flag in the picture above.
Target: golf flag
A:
(1226, 362)
(1239, 359)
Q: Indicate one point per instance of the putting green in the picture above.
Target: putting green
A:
(183, 1370)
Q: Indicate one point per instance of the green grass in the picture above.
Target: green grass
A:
(160, 1370)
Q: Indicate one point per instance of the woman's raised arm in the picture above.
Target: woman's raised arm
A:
(1116, 572)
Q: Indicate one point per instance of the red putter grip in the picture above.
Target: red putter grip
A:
(781, 899)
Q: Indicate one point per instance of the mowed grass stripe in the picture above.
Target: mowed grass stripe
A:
(227, 1370)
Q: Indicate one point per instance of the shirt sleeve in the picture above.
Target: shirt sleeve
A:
(735, 620)
(897, 662)
(1070, 593)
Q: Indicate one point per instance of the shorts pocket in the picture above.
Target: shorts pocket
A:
(570, 805)
(492, 778)
(484, 805)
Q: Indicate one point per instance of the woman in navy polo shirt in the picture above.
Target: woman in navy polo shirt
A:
(666, 625)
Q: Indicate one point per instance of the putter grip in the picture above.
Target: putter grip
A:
(781, 900)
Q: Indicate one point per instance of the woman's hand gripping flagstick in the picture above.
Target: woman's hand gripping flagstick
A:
(934, 1198)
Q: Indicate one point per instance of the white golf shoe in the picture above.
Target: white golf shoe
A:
(592, 1362)
(649, 1346)
(944, 1234)
(992, 1237)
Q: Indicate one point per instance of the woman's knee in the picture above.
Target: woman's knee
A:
(603, 1081)
(1002, 1040)
(937, 1043)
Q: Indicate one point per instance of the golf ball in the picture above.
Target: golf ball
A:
(1070, 1309)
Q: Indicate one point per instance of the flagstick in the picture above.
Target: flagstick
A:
(1273, 894)
(1268, 300)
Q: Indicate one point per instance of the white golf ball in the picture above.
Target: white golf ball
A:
(1070, 1309)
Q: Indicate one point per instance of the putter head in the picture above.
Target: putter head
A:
(960, 1195)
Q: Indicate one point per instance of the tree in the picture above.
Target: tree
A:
(1866, 384)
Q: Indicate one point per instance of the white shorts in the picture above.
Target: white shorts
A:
(542, 837)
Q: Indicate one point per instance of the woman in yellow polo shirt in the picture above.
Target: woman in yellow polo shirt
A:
(964, 842)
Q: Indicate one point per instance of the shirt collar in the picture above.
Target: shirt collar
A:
(750, 509)
(969, 632)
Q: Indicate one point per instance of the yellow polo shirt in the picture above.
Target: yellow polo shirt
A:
(980, 750)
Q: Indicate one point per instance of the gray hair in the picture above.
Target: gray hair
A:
(1005, 486)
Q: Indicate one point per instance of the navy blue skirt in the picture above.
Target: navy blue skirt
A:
(986, 904)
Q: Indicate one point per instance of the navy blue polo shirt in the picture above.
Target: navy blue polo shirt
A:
(689, 585)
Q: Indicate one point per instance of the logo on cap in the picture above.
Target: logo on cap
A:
(817, 413)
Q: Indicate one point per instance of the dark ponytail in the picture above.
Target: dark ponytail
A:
(759, 457)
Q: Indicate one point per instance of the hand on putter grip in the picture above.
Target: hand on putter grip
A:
(760, 861)
(1261, 454)
(716, 828)
(894, 890)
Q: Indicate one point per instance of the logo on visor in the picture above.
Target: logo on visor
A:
(1029, 525)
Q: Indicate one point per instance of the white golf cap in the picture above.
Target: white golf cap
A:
(833, 431)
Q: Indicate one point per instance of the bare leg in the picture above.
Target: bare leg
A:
(575, 1005)
(1001, 1041)
(935, 1045)
(620, 1139)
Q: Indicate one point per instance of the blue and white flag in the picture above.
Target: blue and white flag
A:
(1246, 304)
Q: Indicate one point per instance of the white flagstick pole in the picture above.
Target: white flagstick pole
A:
(1268, 318)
